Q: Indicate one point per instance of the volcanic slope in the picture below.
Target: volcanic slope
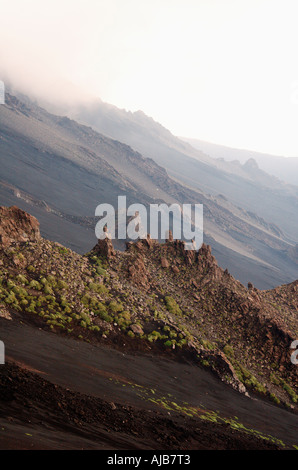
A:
(59, 171)
(154, 328)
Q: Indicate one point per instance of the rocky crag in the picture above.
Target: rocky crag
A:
(156, 298)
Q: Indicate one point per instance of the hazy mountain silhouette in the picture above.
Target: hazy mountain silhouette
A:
(60, 171)
(283, 168)
(250, 187)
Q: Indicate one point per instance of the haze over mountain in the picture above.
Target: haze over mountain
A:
(244, 185)
(64, 170)
(284, 168)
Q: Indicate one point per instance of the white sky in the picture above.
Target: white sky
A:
(225, 71)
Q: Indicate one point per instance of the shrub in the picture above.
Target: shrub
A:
(100, 271)
(62, 250)
(31, 308)
(274, 379)
(35, 285)
(98, 288)
(20, 291)
(123, 319)
(289, 391)
(31, 269)
(94, 328)
(115, 307)
(10, 299)
(51, 280)
(228, 350)
(100, 309)
(172, 306)
(63, 302)
(207, 344)
(126, 315)
(104, 316)
(61, 284)
(274, 398)
(10, 284)
(205, 363)
(48, 290)
(22, 279)
(75, 316)
(86, 300)
(154, 336)
(85, 317)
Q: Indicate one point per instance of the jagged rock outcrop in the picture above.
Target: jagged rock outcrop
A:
(164, 262)
(170, 236)
(138, 273)
(104, 248)
(159, 294)
(17, 225)
(141, 244)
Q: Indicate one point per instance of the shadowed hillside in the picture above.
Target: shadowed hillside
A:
(158, 308)
(60, 171)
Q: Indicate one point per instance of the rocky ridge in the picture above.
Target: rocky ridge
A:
(156, 298)
(17, 226)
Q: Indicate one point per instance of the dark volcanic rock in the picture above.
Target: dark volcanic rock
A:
(164, 262)
(104, 248)
(138, 273)
(174, 301)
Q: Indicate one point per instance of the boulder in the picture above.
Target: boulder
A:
(17, 225)
(137, 329)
